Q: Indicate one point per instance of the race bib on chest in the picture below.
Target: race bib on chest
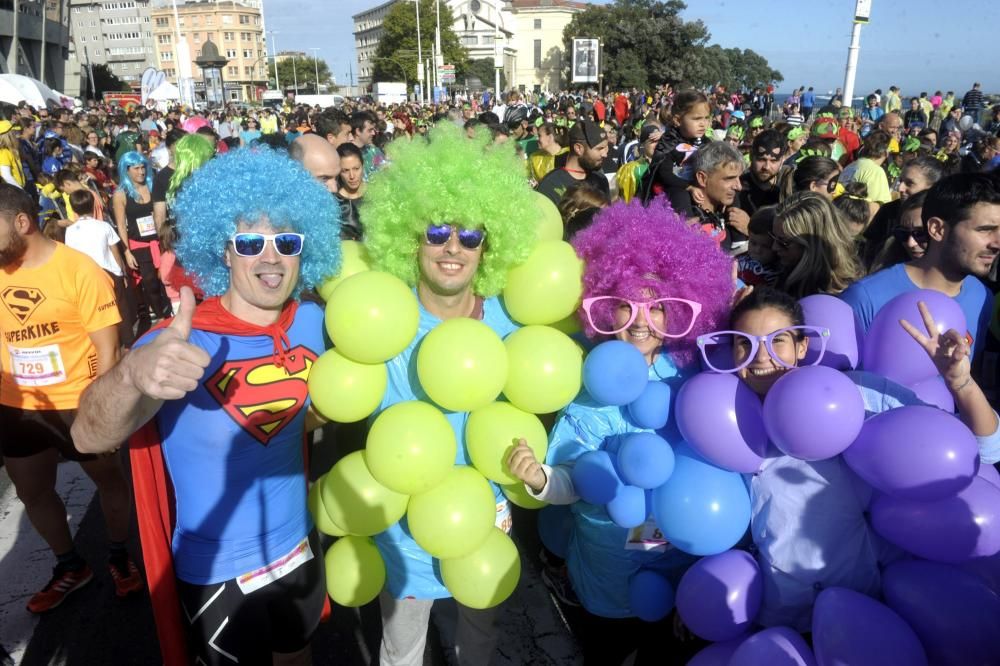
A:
(37, 366)
(146, 226)
(647, 537)
(504, 520)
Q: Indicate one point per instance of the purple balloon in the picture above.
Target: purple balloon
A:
(851, 628)
(933, 391)
(889, 350)
(717, 654)
(987, 568)
(813, 413)
(955, 614)
(843, 347)
(773, 647)
(719, 596)
(915, 452)
(990, 473)
(953, 529)
(720, 417)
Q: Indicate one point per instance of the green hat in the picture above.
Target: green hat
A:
(795, 133)
(911, 145)
(756, 122)
(736, 131)
(825, 128)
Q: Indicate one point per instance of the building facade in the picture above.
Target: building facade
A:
(42, 45)
(526, 34)
(116, 33)
(236, 27)
(538, 41)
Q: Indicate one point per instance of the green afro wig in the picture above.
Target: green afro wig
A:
(450, 179)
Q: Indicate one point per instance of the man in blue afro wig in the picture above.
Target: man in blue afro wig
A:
(218, 467)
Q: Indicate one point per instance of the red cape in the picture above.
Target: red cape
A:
(154, 493)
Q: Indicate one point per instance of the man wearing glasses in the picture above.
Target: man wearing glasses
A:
(453, 240)
(961, 215)
(220, 396)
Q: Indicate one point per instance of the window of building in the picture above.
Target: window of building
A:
(209, 20)
(248, 72)
(227, 18)
(247, 53)
(538, 24)
(164, 39)
(538, 54)
(469, 40)
(162, 22)
(244, 19)
(230, 53)
(233, 71)
(167, 55)
(227, 36)
(197, 36)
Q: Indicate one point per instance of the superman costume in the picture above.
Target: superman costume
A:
(224, 493)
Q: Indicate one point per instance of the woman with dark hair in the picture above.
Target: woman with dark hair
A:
(908, 237)
(981, 156)
(813, 174)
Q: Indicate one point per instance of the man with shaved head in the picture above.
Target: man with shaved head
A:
(319, 158)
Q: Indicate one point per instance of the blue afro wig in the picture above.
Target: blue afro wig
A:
(253, 185)
(129, 160)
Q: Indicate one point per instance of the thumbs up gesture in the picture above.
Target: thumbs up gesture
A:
(170, 367)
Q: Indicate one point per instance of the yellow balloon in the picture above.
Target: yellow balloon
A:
(569, 325)
(547, 287)
(544, 369)
(486, 576)
(411, 447)
(550, 224)
(353, 260)
(319, 514)
(462, 364)
(344, 390)
(355, 571)
(516, 493)
(454, 517)
(358, 503)
(372, 316)
(492, 431)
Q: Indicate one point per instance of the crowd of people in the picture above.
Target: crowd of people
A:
(161, 287)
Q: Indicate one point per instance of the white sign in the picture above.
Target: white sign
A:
(585, 65)
(863, 11)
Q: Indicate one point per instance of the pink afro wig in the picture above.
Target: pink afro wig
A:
(636, 252)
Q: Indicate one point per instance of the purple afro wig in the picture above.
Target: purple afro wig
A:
(637, 253)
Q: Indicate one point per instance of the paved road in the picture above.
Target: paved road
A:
(92, 627)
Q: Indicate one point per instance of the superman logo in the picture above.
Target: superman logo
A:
(22, 301)
(261, 397)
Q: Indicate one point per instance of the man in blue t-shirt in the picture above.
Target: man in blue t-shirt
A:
(962, 218)
(808, 103)
(232, 558)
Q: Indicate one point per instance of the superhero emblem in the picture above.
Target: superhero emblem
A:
(261, 397)
(22, 301)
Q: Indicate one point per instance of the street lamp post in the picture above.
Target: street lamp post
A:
(274, 55)
(316, 66)
(420, 58)
(295, 76)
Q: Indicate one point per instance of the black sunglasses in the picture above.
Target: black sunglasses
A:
(918, 234)
(440, 234)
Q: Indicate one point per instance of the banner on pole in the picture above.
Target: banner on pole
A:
(585, 56)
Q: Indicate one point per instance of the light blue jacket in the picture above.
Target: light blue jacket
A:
(808, 520)
(410, 570)
(599, 565)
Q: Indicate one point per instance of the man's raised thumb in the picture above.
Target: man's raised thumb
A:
(181, 323)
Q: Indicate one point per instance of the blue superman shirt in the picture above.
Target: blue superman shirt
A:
(234, 452)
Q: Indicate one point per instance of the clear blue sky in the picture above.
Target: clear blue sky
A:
(915, 44)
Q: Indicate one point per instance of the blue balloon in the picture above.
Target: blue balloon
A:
(615, 373)
(701, 509)
(594, 477)
(652, 408)
(555, 526)
(645, 460)
(628, 508)
(650, 595)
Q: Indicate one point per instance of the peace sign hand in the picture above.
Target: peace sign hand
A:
(949, 351)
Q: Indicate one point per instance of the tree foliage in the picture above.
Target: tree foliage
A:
(304, 70)
(397, 50)
(107, 81)
(646, 43)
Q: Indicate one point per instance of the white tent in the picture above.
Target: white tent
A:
(15, 88)
(165, 91)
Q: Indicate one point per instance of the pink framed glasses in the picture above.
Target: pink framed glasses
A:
(678, 314)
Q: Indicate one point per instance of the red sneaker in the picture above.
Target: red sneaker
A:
(128, 581)
(61, 586)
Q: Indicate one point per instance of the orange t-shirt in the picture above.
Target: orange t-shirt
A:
(46, 316)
